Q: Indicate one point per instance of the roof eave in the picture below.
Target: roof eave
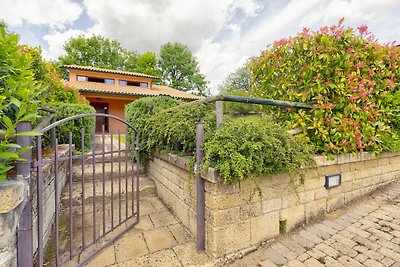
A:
(132, 94)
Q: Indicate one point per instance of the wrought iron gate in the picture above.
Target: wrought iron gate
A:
(85, 192)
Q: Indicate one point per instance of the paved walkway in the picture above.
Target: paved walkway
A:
(367, 233)
(158, 240)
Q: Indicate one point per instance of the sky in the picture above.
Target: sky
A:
(222, 34)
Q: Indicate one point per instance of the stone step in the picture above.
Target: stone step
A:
(108, 156)
(111, 189)
(114, 170)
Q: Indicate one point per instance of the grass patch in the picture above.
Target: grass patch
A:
(122, 138)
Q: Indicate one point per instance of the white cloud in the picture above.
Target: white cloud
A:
(144, 25)
(249, 7)
(52, 13)
(56, 41)
(222, 34)
(219, 59)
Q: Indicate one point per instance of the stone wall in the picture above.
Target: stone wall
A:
(238, 217)
(48, 194)
(13, 195)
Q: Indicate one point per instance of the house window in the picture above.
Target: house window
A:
(109, 81)
(81, 78)
(131, 83)
(95, 80)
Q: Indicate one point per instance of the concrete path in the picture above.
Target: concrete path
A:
(366, 233)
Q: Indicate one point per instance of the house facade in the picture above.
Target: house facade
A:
(109, 91)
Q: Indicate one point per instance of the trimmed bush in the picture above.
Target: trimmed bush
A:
(243, 149)
(138, 112)
(88, 123)
(350, 78)
(175, 129)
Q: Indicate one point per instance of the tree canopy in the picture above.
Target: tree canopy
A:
(176, 65)
(180, 69)
(95, 51)
(238, 81)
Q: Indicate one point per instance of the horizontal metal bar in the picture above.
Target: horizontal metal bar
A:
(46, 120)
(248, 100)
(53, 125)
(260, 101)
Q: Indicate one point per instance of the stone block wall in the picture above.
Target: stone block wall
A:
(238, 217)
(176, 187)
(48, 193)
(13, 195)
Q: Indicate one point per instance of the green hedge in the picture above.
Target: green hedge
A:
(138, 112)
(174, 130)
(75, 126)
(242, 149)
(238, 150)
(165, 129)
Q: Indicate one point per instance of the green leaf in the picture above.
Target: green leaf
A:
(11, 145)
(8, 155)
(4, 170)
(7, 121)
(28, 134)
(15, 101)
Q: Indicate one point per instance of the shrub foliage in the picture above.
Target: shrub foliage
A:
(18, 96)
(164, 128)
(237, 150)
(87, 123)
(243, 148)
(351, 79)
(175, 129)
(139, 112)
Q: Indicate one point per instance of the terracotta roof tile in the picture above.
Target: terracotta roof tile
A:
(121, 72)
(92, 87)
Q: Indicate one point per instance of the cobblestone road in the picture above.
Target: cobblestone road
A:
(367, 233)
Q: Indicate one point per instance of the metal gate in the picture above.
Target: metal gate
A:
(85, 192)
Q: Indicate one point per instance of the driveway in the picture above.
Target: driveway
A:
(366, 233)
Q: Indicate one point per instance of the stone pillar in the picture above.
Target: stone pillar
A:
(12, 195)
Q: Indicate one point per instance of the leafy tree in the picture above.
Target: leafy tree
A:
(96, 51)
(48, 75)
(180, 69)
(350, 78)
(147, 63)
(101, 52)
(238, 81)
(176, 64)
